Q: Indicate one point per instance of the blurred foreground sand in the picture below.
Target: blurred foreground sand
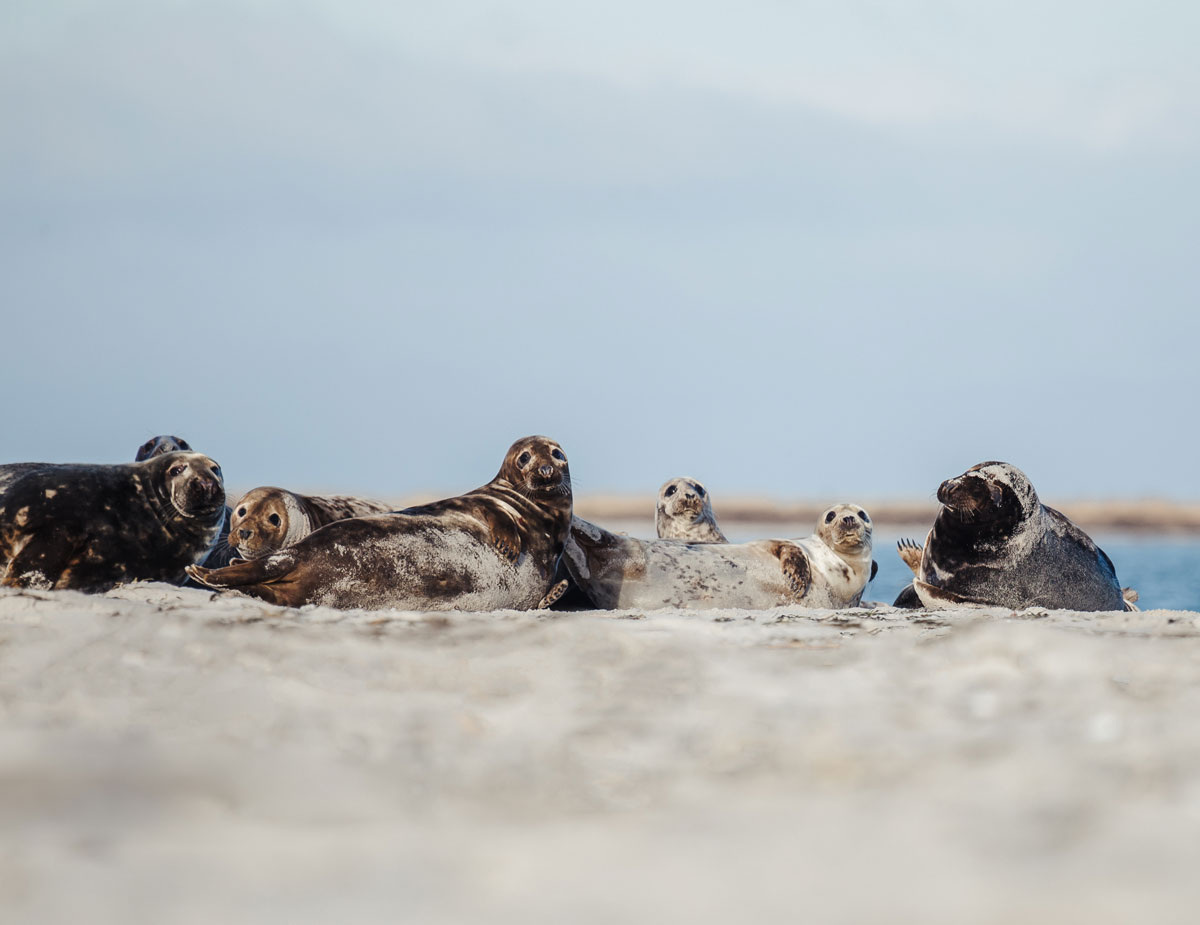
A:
(169, 757)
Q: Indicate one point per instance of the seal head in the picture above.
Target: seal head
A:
(684, 512)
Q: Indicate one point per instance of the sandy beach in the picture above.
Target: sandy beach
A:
(171, 756)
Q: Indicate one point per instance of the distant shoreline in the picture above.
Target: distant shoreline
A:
(1150, 515)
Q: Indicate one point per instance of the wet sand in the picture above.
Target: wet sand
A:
(174, 757)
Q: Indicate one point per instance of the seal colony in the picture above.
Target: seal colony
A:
(514, 543)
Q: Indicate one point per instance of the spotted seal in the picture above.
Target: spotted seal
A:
(221, 553)
(829, 569)
(267, 518)
(994, 543)
(684, 512)
(90, 527)
(495, 547)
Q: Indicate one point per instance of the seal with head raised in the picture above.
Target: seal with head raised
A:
(829, 569)
(493, 548)
(90, 527)
(220, 554)
(684, 512)
(994, 544)
(266, 519)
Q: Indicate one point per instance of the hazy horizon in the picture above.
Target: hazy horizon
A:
(803, 251)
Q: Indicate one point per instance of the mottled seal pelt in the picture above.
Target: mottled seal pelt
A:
(90, 527)
(829, 569)
(220, 554)
(492, 548)
(266, 519)
(684, 512)
(994, 544)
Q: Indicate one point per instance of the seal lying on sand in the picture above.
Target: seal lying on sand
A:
(828, 569)
(267, 519)
(220, 554)
(493, 548)
(684, 512)
(90, 527)
(995, 544)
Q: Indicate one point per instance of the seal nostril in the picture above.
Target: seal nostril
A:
(546, 471)
(244, 534)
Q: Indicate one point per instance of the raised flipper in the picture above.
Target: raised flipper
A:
(910, 552)
(553, 594)
(794, 564)
(1130, 596)
(874, 570)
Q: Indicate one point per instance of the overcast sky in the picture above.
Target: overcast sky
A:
(825, 249)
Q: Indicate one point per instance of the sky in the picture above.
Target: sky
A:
(820, 250)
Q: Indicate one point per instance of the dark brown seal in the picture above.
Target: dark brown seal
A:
(494, 547)
(995, 544)
(266, 519)
(221, 554)
(90, 527)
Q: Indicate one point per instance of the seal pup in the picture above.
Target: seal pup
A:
(829, 569)
(266, 519)
(221, 554)
(994, 544)
(684, 512)
(495, 547)
(91, 527)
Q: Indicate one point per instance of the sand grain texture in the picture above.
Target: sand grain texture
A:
(170, 756)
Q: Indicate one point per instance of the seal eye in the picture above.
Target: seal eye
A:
(829, 517)
(558, 454)
(275, 521)
(241, 512)
(216, 470)
(670, 491)
(865, 518)
(700, 490)
(176, 471)
(523, 460)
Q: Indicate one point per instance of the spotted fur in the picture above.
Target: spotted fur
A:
(496, 547)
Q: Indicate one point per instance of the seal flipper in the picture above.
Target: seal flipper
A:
(1130, 597)
(795, 566)
(553, 595)
(40, 563)
(505, 536)
(908, 599)
(874, 570)
(245, 572)
(910, 552)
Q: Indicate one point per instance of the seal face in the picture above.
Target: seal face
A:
(494, 547)
(684, 512)
(266, 519)
(220, 554)
(994, 543)
(90, 527)
(829, 569)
